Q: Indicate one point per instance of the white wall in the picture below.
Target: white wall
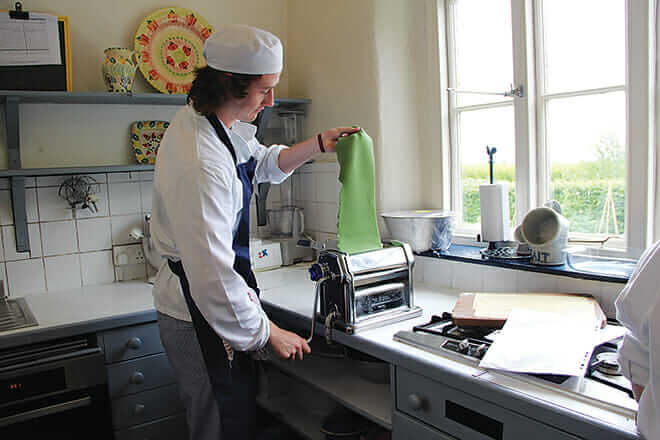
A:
(374, 63)
(56, 135)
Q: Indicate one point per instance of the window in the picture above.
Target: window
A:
(566, 138)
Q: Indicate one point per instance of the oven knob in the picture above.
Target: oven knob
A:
(139, 409)
(464, 346)
(134, 343)
(416, 402)
(136, 378)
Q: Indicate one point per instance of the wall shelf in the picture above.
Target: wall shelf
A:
(64, 171)
(12, 99)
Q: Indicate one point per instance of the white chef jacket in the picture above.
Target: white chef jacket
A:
(197, 201)
(638, 309)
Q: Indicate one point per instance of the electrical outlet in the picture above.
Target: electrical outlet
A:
(130, 254)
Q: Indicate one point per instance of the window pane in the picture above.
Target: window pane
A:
(586, 145)
(477, 129)
(583, 43)
(483, 49)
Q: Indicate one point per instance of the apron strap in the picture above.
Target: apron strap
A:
(222, 134)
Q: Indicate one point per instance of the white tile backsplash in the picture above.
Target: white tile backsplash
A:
(122, 226)
(51, 206)
(146, 191)
(94, 234)
(75, 251)
(124, 198)
(328, 188)
(50, 180)
(25, 277)
(59, 238)
(497, 279)
(131, 272)
(536, 282)
(467, 278)
(132, 176)
(97, 268)
(327, 217)
(9, 243)
(308, 190)
(6, 213)
(31, 205)
(63, 272)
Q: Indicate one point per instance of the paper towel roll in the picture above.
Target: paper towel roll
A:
(494, 205)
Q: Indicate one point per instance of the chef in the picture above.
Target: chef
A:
(211, 321)
(638, 309)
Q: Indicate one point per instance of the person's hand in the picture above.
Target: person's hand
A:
(287, 345)
(330, 137)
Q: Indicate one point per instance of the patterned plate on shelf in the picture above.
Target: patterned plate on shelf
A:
(169, 45)
(145, 139)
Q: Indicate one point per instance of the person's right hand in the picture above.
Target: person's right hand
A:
(286, 344)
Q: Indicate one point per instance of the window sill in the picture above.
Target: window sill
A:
(470, 254)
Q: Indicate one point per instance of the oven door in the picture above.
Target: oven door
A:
(60, 395)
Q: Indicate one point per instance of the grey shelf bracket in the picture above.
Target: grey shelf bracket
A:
(20, 214)
(13, 139)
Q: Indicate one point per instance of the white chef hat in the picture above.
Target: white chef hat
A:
(244, 49)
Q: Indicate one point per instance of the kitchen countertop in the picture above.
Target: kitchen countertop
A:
(287, 295)
(84, 310)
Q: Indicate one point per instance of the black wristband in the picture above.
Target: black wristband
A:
(320, 138)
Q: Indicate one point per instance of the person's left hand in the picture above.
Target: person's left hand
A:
(330, 137)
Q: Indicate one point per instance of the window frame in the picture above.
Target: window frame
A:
(532, 170)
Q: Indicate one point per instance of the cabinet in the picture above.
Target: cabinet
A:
(144, 396)
(16, 173)
(455, 413)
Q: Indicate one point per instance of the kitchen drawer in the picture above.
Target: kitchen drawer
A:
(143, 407)
(405, 428)
(138, 375)
(132, 342)
(465, 416)
(168, 428)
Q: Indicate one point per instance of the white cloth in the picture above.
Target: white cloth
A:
(244, 49)
(638, 309)
(197, 201)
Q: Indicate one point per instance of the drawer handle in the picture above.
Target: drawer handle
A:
(139, 409)
(416, 402)
(136, 378)
(134, 343)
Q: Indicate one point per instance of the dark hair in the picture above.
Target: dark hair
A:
(211, 88)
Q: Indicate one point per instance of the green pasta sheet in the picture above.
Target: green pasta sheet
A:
(357, 228)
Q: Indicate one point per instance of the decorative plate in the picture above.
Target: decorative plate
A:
(169, 45)
(146, 137)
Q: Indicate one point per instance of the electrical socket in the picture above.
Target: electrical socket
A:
(130, 254)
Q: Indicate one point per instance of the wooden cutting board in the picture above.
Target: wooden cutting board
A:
(492, 309)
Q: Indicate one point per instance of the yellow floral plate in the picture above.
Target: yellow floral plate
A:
(169, 45)
(145, 138)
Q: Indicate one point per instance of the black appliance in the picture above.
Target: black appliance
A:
(55, 390)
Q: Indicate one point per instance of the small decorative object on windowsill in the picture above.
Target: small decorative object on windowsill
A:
(80, 193)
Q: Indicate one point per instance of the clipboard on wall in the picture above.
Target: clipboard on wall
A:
(42, 77)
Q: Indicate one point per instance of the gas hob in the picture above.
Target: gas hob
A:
(602, 385)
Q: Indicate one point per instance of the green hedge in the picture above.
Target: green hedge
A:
(581, 201)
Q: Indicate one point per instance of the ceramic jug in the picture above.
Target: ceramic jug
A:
(546, 232)
(119, 69)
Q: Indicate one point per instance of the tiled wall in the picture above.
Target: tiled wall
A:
(480, 278)
(67, 249)
(316, 189)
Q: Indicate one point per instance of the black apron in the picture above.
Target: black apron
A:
(234, 383)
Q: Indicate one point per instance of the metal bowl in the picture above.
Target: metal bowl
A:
(423, 229)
